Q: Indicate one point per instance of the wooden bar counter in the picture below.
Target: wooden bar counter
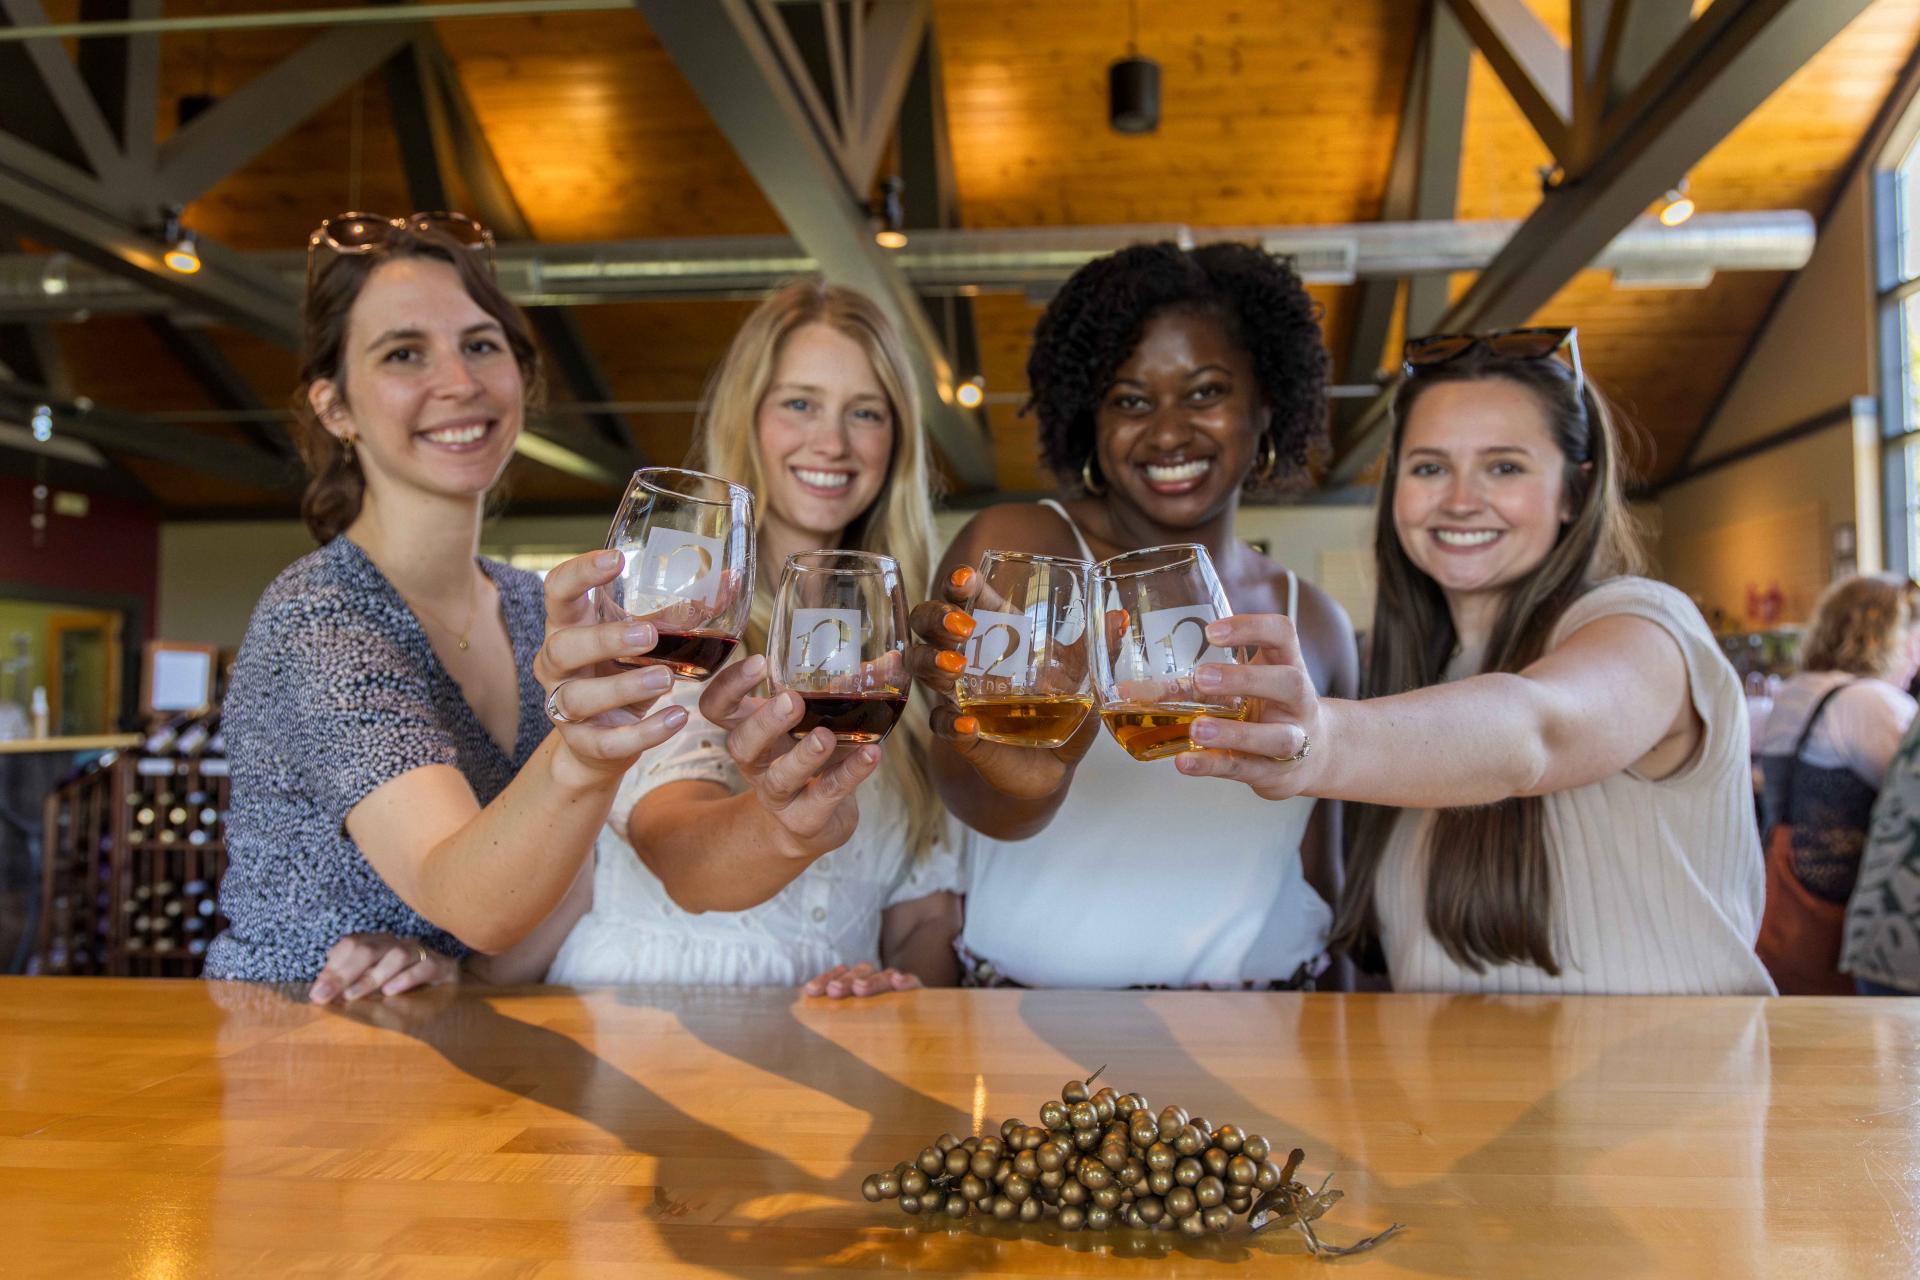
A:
(177, 1129)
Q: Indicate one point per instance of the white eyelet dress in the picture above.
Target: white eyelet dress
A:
(829, 914)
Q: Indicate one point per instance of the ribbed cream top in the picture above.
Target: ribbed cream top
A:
(1657, 886)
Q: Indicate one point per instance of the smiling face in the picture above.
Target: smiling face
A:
(428, 387)
(1177, 430)
(826, 430)
(1480, 490)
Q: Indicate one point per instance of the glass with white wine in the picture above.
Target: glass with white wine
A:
(1151, 634)
(1029, 675)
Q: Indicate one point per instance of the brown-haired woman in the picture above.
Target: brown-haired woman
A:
(1824, 752)
(398, 799)
(1557, 750)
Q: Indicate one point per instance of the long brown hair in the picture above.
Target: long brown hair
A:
(1489, 887)
(1860, 626)
(335, 486)
(900, 521)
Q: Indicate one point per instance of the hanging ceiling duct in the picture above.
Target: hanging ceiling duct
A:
(1033, 261)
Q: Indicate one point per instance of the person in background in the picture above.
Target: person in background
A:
(398, 798)
(738, 856)
(1829, 740)
(1168, 383)
(1553, 751)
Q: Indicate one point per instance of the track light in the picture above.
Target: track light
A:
(183, 250)
(971, 393)
(43, 423)
(889, 212)
(1676, 206)
(1133, 95)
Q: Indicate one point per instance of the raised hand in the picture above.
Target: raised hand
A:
(1281, 748)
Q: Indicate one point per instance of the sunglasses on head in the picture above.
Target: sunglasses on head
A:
(353, 233)
(1422, 354)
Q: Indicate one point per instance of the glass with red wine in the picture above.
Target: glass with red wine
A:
(686, 544)
(839, 640)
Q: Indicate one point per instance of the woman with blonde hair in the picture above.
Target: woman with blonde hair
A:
(743, 857)
(1824, 754)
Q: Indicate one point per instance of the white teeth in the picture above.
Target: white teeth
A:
(1176, 474)
(824, 479)
(458, 435)
(1477, 538)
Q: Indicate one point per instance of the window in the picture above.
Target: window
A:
(1897, 212)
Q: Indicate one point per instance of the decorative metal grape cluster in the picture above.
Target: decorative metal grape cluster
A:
(1099, 1160)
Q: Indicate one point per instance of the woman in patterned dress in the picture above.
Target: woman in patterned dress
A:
(398, 799)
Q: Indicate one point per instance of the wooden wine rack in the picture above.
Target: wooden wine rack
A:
(135, 848)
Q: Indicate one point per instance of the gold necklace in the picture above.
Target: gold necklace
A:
(473, 614)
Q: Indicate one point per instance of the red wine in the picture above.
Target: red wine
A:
(691, 655)
(853, 717)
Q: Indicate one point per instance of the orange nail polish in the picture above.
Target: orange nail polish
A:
(960, 577)
(959, 624)
(950, 662)
(967, 725)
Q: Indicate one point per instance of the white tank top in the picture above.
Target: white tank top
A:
(1146, 877)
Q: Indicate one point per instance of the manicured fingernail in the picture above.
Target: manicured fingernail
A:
(1205, 730)
(607, 559)
(791, 703)
(960, 577)
(966, 724)
(1207, 677)
(656, 679)
(870, 755)
(815, 745)
(958, 624)
(675, 717)
(321, 993)
(355, 991)
(950, 662)
(638, 636)
(1220, 632)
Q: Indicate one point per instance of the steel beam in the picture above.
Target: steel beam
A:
(1638, 33)
(1530, 61)
(441, 138)
(243, 124)
(932, 195)
(130, 434)
(123, 75)
(891, 37)
(727, 57)
(1712, 87)
(1423, 183)
(68, 94)
(208, 366)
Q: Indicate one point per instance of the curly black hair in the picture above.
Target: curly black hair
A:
(1093, 324)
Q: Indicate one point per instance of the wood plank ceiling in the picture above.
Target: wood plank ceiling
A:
(1274, 111)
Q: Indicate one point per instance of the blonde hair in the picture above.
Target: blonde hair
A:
(900, 521)
(1860, 626)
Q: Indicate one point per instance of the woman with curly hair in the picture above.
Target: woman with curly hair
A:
(1824, 753)
(1167, 382)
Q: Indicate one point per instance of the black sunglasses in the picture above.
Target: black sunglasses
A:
(353, 233)
(1437, 349)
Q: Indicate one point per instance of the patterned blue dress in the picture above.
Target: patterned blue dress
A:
(336, 691)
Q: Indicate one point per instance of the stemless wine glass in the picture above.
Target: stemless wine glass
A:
(686, 544)
(1149, 636)
(1029, 674)
(839, 640)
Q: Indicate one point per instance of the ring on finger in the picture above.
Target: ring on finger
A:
(554, 713)
(420, 952)
(1306, 747)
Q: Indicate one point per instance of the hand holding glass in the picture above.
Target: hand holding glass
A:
(1155, 605)
(1029, 675)
(686, 545)
(839, 640)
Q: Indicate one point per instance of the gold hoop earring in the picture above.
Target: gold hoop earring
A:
(1087, 481)
(1267, 461)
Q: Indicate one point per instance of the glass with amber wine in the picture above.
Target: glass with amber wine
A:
(1154, 606)
(1029, 675)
